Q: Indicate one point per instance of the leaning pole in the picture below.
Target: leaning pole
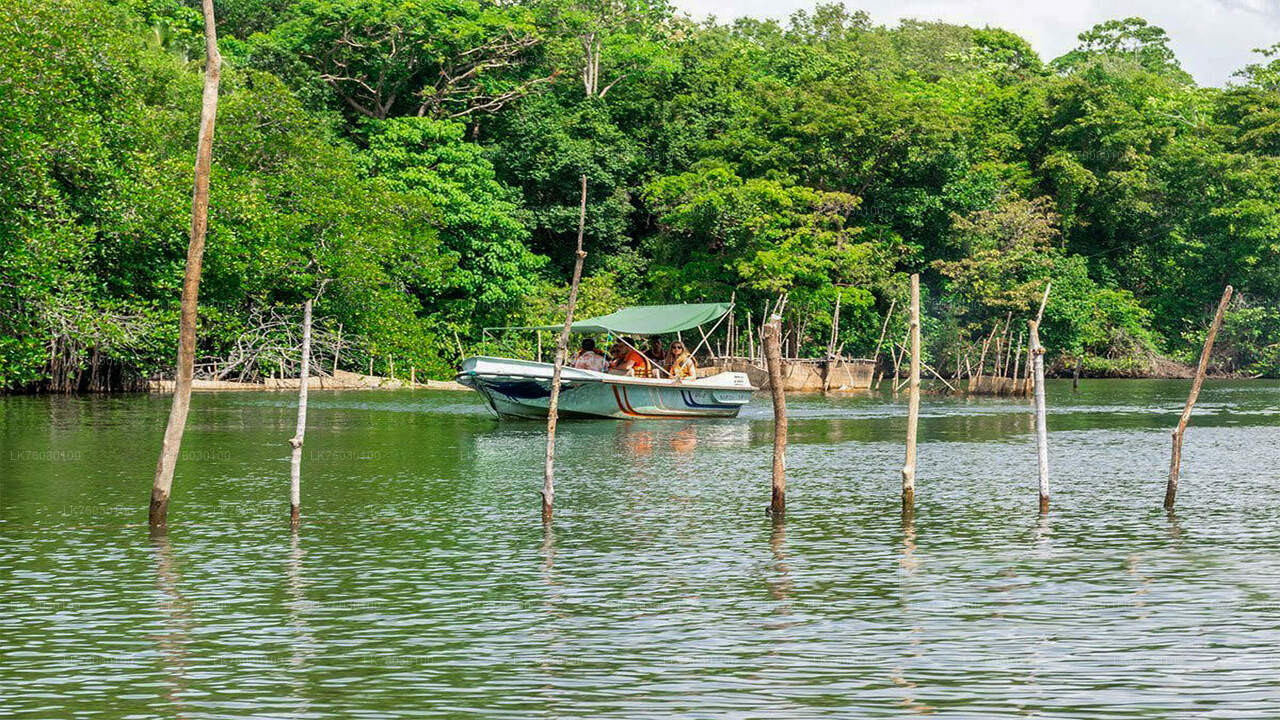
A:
(158, 516)
(1175, 460)
(562, 347)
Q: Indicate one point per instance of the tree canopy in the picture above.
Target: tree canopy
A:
(414, 165)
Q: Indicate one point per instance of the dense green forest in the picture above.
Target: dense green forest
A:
(415, 164)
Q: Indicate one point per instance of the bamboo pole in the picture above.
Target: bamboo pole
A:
(1175, 461)
(337, 349)
(934, 372)
(1017, 364)
(898, 356)
(884, 328)
(913, 403)
(1036, 352)
(976, 383)
(831, 344)
(773, 358)
(562, 345)
(299, 433)
(162, 484)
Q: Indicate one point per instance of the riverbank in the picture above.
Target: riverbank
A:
(339, 380)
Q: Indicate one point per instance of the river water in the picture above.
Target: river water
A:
(423, 584)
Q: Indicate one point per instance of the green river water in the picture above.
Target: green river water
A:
(422, 582)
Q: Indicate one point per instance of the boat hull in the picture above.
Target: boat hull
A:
(521, 389)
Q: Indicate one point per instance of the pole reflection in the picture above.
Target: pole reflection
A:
(910, 567)
(177, 620)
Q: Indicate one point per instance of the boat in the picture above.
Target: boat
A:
(517, 388)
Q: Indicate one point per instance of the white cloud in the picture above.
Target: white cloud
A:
(1213, 38)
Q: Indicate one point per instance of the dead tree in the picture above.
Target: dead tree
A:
(1175, 461)
(562, 346)
(163, 483)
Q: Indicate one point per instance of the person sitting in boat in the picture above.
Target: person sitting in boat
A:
(682, 364)
(627, 360)
(588, 358)
(658, 355)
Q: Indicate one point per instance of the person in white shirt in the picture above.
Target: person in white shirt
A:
(588, 359)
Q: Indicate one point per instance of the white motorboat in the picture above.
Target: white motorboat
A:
(522, 388)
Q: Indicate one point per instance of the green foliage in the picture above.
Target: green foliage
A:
(1248, 339)
(381, 58)
(1131, 39)
(477, 217)
(416, 164)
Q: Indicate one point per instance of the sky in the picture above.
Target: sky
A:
(1212, 38)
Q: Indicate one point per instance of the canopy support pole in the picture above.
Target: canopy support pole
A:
(713, 329)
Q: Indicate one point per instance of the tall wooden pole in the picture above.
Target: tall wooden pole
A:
(295, 465)
(913, 403)
(161, 486)
(1175, 462)
(562, 345)
(773, 358)
(1036, 351)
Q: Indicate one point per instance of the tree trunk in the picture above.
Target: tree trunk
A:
(1175, 462)
(562, 345)
(163, 483)
(913, 403)
(1042, 431)
(773, 358)
(295, 465)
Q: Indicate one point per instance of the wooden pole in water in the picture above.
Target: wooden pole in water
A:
(562, 345)
(1036, 351)
(295, 464)
(1175, 462)
(162, 484)
(773, 358)
(913, 403)
(413, 377)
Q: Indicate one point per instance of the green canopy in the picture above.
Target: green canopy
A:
(643, 319)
